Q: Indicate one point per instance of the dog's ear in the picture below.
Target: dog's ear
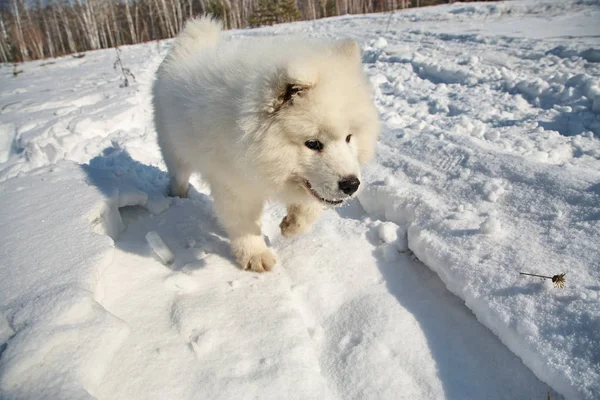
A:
(291, 90)
(289, 84)
(348, 48)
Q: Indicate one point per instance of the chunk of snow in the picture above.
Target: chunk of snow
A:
(380, 43)
(199, 254)
(490, 226)
(387, 232)
(159, 247)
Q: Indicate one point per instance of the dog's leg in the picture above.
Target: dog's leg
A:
(299, 218)
(179, 185)
(240, 217)
(180, 178)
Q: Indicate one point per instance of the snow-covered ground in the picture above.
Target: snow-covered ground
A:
(488, 165)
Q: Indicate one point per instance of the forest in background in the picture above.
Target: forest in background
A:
(38, 29)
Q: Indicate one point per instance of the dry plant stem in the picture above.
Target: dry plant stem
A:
(125, 71)
(539, 276)
(557, 280)
(387, 28)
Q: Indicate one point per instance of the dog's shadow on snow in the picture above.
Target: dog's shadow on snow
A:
(187, 226)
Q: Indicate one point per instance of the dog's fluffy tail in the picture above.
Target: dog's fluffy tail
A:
(199, 32)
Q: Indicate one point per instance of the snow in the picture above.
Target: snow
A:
(159, 247)
(387, 232)
(488, 165)
(491, 226)
(48, 289)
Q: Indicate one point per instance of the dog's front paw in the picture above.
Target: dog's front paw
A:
(299, 219)
(291, 226)
(260, 262)
(252, 253)
(179, 189)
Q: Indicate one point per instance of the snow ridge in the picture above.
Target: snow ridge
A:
(51, 262)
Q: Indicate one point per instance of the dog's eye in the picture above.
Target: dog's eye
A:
(348, 138)
(314, 145)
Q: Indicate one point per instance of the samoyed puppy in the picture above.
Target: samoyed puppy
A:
(264, 119)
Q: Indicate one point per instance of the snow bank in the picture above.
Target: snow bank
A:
(55, 242)
(490, 160)
(546, 223)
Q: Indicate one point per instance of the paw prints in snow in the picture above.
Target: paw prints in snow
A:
(181, 282)
(201, 343)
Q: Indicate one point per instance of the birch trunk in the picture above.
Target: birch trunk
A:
(132, 30)
(21, 46)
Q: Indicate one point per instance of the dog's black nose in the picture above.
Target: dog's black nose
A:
(349, 184)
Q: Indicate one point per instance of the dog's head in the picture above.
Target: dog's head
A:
(317, 124)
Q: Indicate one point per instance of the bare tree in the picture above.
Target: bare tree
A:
(132, 30)
(20, 40)
(32, 29)
(5, 55)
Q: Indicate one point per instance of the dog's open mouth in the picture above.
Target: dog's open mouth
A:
(317, 196)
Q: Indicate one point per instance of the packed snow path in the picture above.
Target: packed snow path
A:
(488, 165)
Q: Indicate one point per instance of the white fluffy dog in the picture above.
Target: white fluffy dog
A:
(261, 119)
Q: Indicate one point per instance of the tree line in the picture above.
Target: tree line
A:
(37, 29)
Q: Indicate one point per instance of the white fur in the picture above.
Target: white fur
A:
(221, 110)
